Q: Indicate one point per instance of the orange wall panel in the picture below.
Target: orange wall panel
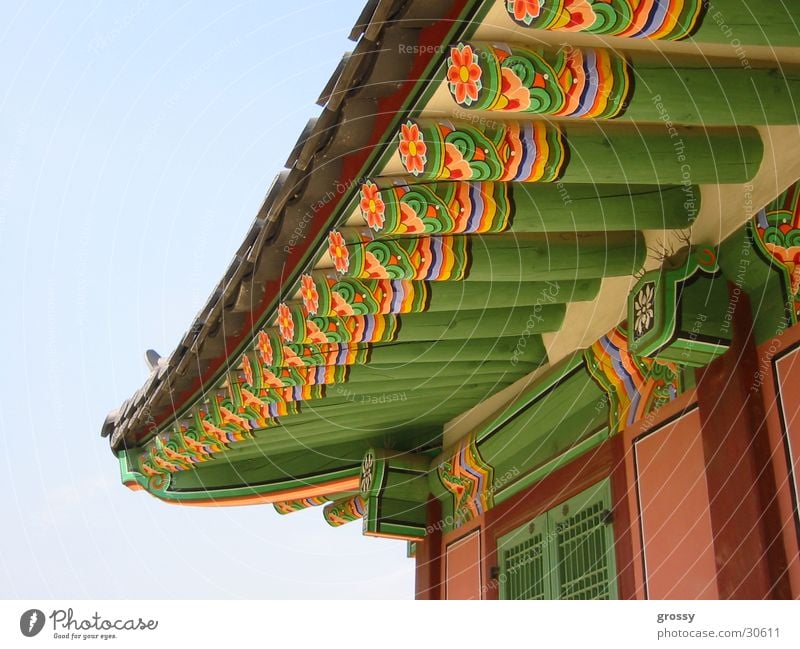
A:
(463, 567)
(784, 422)
(674, 519)
(787, 368)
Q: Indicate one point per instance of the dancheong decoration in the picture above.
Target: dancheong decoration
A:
(271, 351)
(438, 208)
(345, 510)
(508, 151)
(394, 492)
(634, 385)
(346, 296)
(654, 19)
(677, 312)
(299, 504)
(776, 231)
(569, 82)
(469, 478)
(432, 258)
(324, 330)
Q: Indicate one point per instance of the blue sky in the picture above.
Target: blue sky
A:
(137, 140)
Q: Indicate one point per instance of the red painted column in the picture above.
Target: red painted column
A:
(622, 524)
(428, 577)
(750, 559)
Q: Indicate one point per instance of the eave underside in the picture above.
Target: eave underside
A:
(541, 271)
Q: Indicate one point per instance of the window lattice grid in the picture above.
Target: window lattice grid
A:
(582, 551)
(524, 572)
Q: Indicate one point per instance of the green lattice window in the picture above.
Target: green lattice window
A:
(564, 553)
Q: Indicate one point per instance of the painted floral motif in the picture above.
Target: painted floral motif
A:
(247, 368)
(290, 358)
(644, 309)
(464, 74)
(524, 10)
(588, 83)
(285, 322)
(572, 15)
(340, 306)
(444, 208)
(409, 221)
(314, 335)
(654, 19)
(308, 292)
(373, 268)
(507, 151)
(455, 164)
(345, 511)
(413, 151)
(579, 15)
(372, 206)
(517, 97)
(338, 251)
(427, 258)
(264, 348)
(777, 235)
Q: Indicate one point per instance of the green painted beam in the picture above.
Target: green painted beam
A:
(258, 469)
(451, 296)
(736, 23)
(342, 406)
(527, 349)
(369, 296)
(587, 207)
(480, 323)
(361, 418)
(382, 386)
(732, 95)
(606, 153)
(578, 152)
(742, 22)
(638, 88)
(366, 375)
(505, 258)
(492, 207)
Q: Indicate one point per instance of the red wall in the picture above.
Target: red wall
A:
(669, 477)
(674, 520)
(779, 370)
(463, 567)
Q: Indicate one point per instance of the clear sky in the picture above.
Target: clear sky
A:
(137, 140)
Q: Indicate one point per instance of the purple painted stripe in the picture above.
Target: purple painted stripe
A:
(616, 362)
(655, 19)
(592, 88)
(435, 269)
(477, 207)
(369, 328)
(465, 466)
(528, 153)
(398, 294)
